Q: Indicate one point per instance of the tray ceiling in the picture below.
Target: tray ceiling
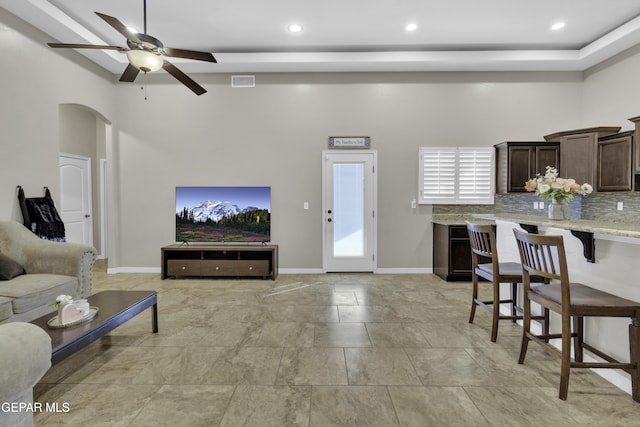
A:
(250, 36)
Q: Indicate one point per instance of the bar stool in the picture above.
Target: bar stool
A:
(485, 264)
(545, 256)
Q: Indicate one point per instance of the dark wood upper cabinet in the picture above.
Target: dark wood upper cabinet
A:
(517, 162)
(578, 151)
(614, 162)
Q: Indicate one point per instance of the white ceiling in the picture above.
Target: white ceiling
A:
(249, 36)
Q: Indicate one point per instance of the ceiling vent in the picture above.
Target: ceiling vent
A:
(243, 81)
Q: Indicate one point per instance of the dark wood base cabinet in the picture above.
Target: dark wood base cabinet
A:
(451, 252)
(219, 261)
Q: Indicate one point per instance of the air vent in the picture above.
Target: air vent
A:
(243, 81)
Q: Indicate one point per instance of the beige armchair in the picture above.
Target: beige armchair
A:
(25, 356)
(52, 268)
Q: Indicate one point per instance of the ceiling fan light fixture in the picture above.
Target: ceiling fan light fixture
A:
(144, 60)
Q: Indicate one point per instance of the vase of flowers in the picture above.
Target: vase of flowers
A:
(558, 190)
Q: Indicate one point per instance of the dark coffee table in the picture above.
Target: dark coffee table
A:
(114, 308)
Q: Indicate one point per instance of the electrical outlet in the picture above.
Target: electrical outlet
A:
(541, 205)
(619, 206)
(536, 205)
(413, 204)
(305, 205)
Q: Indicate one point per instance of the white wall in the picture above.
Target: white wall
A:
(611, 91)
(273, 135)
(35, 81)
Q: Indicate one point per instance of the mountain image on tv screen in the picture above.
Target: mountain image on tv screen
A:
(223, 214)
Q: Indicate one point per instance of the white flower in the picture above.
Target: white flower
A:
(586, 188)
(551, 173)
(64, 299)
(557, 185)
(543, 187)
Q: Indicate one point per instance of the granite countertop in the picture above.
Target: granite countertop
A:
(459, 219)
(613, 228)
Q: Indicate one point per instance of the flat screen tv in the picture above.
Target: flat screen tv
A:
(223, 214)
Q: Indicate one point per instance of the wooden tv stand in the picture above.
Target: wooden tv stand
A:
(220, 261)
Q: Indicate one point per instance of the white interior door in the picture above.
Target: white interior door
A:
(349, 211)
(75, 207)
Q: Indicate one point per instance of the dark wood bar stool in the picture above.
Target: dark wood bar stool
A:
(485, 264)
(545, 256)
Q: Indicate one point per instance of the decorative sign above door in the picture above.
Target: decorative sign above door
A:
(349, 142)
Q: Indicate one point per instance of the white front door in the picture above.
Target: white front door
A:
(75, 198)
(349, 211)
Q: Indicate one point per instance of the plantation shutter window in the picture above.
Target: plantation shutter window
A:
(456, 175)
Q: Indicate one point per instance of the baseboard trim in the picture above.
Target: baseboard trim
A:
(300, 271)
(116, 270)
(403, 271)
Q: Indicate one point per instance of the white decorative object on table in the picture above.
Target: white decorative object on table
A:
(82, 305)
(71, 312)
(62, 301)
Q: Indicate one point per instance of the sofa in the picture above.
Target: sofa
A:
(33, 272)
(25, 356)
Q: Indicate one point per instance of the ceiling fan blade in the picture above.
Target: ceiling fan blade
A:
(85, 46)
(130, 74)
(119, 27)
(184, 79)
(189, 54)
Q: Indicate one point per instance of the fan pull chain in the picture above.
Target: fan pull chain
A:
(144, 86)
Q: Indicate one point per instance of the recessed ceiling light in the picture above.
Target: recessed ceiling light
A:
(558, 26)
(295, 28)
(411, 27)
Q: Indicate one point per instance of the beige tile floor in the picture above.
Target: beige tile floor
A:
(318, 350)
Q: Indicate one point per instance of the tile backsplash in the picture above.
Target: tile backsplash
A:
(604, 206)
(593, 206)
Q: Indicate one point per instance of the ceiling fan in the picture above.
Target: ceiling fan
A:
(145, 53)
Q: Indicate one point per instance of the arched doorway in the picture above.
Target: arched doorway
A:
(84, 134)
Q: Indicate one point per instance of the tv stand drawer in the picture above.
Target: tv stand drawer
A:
(218, 267)
(184, 267)
(253, 268)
